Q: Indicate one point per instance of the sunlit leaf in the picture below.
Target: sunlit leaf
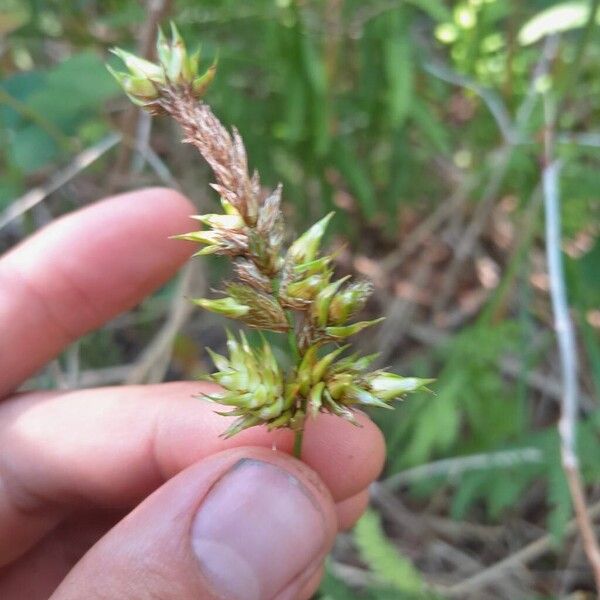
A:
(383, 558)
(560, 17)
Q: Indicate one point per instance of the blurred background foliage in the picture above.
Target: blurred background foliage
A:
(420, 122)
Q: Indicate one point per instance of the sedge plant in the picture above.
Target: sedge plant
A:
(290, 290)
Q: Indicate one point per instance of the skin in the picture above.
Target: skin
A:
(88, 475)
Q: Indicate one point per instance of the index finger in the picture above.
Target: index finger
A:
(81, 271)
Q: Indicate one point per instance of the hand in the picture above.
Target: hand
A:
(128, 492)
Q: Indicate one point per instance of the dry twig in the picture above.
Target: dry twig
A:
(428, 226)
(565, 334)
(454, 467)
(84, 159)
(154, 361)
(513, 135)
(527, 554)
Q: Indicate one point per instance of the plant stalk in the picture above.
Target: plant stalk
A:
(293, 344)
(298, 438)
(295, 352)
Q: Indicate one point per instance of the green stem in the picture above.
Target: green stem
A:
(298, 437)
(295, 351)
(296, 357)
(293, 340)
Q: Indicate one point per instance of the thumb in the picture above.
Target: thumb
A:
(244, 524)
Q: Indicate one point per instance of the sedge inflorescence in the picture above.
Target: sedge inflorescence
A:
(291, 291)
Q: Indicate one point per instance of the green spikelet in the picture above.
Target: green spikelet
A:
(293, 292)
(145, 82)
(252, 384)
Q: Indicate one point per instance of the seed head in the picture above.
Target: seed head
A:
(264, 312)
(348, 302)
(305, 248)
(252, 384)
(146, 82)
(337, 386)
(293, 292)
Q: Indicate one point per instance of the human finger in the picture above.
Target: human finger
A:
(244, 524)
(111, 447)
(82, 270)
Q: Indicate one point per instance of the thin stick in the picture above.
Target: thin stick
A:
(504, 156)
(472, 232)
(153, 363)
(456, 466)
(428, 226)
(527, 554)
(492, 100)
(79, 163)
(567, 347)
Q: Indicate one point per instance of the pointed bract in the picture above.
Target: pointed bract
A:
(389, 385)
(176, 67)
(223, 306)
(140, 67)
(320, 307)
(201, 83)
(305, 248)
(348, 330)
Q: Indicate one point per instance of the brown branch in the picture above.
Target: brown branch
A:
(529, 553)
(584, 520)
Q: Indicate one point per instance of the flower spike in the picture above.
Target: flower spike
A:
(294, 292)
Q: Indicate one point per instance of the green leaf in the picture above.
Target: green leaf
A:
(9, 190)
(560, 500)
(334, 589)
(398, 62)
(505, 488)
(431, 127)
(32, 149)
(358, 180)
(84, 80)
(592, 347)
(428, 437)
(584, 271)
(19, 87)
(316, 76)
(436, 9)
(383, 558)
(468, 491)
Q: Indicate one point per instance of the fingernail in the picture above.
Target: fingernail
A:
(256, 531)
